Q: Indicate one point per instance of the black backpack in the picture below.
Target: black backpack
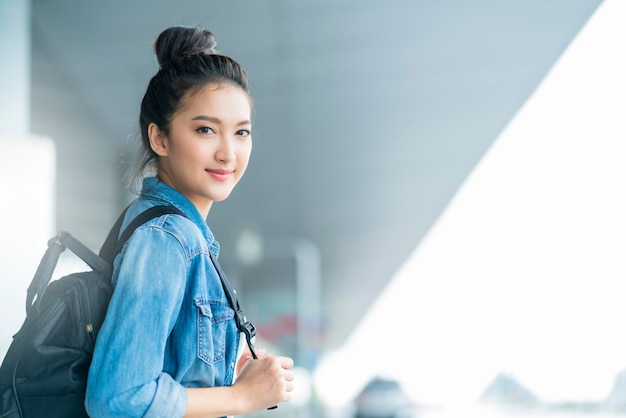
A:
(44, 373)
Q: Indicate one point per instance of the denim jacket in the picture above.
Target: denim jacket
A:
(169, 325)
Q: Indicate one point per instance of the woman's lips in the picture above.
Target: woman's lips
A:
(220, 175)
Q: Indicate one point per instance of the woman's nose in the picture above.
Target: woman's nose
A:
(226, 150)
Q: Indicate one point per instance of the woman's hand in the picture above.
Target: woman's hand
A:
(245, 356)
(264, 382)
(261, 384)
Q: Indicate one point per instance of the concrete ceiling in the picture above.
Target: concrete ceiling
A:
(369, 115)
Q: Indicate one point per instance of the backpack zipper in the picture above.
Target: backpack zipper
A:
(85, 308)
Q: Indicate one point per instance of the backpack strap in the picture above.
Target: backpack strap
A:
(56, 246)
(113, 245)
(243, 325)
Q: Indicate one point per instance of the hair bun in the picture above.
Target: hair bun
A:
(178, 43)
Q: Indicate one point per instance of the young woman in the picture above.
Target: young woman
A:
(169, 346)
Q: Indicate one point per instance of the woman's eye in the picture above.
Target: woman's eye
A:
(205, 130)
(243, 132)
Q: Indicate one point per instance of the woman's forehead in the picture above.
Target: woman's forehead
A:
(223, 101)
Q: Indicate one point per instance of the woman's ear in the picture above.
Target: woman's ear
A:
(158, 141)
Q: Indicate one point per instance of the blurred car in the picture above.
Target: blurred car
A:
(383, 398)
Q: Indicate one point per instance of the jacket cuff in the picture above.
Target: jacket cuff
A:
(170, 399)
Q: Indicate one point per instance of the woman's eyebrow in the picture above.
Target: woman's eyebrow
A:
(218, 120)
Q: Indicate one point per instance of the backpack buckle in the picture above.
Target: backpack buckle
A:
(244, 325)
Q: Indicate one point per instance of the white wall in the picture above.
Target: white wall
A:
(27, 173)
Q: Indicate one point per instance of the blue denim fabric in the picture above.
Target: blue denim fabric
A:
(169, 325)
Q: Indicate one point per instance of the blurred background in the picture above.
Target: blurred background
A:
(432, 220)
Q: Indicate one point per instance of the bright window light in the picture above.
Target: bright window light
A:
(524, 272)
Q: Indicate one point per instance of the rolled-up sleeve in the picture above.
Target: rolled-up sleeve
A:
(126, 376)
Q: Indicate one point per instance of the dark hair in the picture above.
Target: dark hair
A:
(188, 61)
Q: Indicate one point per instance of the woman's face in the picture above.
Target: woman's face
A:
(209, 145)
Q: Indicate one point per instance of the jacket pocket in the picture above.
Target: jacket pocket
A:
(212, 319)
